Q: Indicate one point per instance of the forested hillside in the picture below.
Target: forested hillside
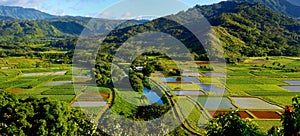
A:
(245, 29)
(286, 7)
(24, 13)
(253, 30)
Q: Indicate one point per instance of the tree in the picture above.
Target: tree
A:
(231, 124)
(33, 116)
(275, 131)
(147, 70)
(136, 83)
(291, 118)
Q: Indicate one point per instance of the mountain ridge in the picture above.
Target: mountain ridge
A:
(244, 29)
(24, 13)
(281, 6)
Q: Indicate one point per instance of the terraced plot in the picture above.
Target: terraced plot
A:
(194, 117)
(266, 114)
(292, 88)
(184, 86)
(59, 92)
(243, 114)
(57, 83)
(214, 74)
(292, 82)
(216, 102)
(186, 92)
(89, 104)
(59, 73)
(212, 88)
(253, 103)
(179, 80)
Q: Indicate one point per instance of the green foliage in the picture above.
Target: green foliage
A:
(136, 83)
(281, 6)
(68, 27)
(245, 29)
(275, 131)
(230, 124)
(148, 69)
(59, 92)
(33, 116)
(291, 118)
(150, 112)
(255, 30)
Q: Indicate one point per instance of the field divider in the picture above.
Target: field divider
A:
(200, 107)
(232, 102)
(251, 114)
(184, 122)
(107, 106)
(176, 110)
(13, 79)
(40, 84)
(270, 102)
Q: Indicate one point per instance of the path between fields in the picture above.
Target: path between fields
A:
(177, 111)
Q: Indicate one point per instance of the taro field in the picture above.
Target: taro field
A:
(23, 78)
(259, 88)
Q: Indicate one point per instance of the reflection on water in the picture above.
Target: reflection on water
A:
(59, 73)
(184, 79)
(205, 87)
(292, 88)
(152, 96)
(188, 92)
(57, 83)
(293, 82)
(215, 74)
(212, 88)
(212, 103)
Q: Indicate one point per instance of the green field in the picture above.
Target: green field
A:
(254, 77)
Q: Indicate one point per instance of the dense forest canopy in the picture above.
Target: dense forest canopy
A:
(245, 29)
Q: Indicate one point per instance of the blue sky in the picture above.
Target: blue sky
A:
(95, 7)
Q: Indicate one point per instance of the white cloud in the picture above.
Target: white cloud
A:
(90, 15)
(104, 15)
(126, 15)
(58, 12)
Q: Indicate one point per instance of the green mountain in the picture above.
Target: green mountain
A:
(40, 31)
(24, 13)
(253, 30)
(245, 29)
(286, 7)
(72, 25)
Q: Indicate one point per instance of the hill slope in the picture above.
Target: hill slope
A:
(24, 13)
(245, 29)
(286, 7)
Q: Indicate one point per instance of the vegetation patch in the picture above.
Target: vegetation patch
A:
(59, 92)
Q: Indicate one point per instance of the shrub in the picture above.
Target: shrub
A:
(231, 124)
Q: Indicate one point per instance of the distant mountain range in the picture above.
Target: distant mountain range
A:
(24, 13)
(244, 28)
(286, 7)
